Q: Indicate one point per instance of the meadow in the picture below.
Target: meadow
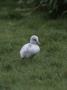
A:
(45, 71)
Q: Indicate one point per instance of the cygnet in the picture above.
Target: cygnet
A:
(30, 48)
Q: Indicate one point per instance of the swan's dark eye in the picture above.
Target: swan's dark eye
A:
(34, 39)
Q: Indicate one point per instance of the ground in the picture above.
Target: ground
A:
(45, 71)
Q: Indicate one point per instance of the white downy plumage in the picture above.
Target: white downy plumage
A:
(30, 48)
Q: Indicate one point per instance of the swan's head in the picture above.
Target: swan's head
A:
(34, 39)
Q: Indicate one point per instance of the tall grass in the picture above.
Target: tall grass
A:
(46, 70)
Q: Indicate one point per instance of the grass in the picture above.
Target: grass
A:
(46, 70)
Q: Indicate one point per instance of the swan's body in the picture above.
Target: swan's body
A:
(31, 48)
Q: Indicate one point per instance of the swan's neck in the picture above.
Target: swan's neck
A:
(32, 42)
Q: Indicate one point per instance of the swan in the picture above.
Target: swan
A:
(30, 48)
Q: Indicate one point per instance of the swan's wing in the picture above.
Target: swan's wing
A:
(35, 49)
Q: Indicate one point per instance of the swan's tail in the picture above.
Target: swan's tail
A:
(21, 54)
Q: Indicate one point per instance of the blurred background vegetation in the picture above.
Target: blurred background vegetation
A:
(21, 8)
